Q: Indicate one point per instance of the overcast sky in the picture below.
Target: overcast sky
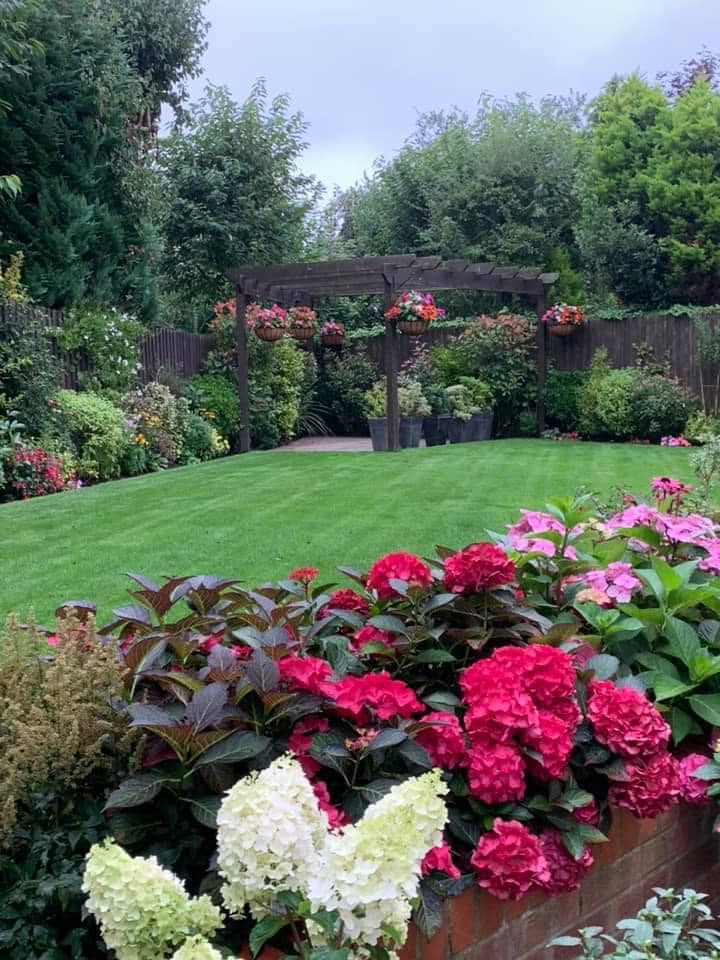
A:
(362, 70)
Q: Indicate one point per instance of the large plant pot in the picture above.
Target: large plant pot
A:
(460, 431)
(411, 429)
(301, 333)
(332, 339)
(269, 333)
(435, 429)
(412, 328)
(482, 424)
(378, 432)
(563, 329)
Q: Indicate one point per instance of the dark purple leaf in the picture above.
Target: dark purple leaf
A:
(206, 707)
(147, 715)
(262, 672)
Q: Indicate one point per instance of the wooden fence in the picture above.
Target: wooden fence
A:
(168, 354)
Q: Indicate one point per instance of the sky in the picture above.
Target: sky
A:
(361, 71)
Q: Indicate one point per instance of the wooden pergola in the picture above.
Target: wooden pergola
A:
(301, 283)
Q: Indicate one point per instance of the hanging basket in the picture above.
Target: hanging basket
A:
(412, 328)
(301, 333)
(269, 333)
(563, 329)
(332, 339)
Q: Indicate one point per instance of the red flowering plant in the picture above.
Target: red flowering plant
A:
(301, 318)
(414, 306)
(33, 472)
(274, 317)
(563, 315)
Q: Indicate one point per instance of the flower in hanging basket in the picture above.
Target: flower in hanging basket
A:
(265, 318)
(332, 332)
(564, 315)
(414, 308)
(302, 322)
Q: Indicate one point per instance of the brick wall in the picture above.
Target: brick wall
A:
(676, 850)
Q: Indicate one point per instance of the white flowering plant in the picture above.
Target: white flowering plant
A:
(330, 894)
(108, 337)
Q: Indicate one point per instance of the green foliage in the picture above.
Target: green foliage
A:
(660, 406)
(344, 379)
(198, 443)
(159, 421)
(562, 398)
(706, 464)
(208, 220)
(11, 285)
(94, 430)
(411, 400)
(671, 926)
(700, 427)
(109, 339)
(216, 399)
(16, 44)
(28, 373)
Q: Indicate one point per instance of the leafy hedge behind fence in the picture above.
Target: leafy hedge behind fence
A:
(181, 354)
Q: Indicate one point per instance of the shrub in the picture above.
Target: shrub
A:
(562, 398)
(28, 373)
(344, 380)
(613, 414)
(33, 472)
(216, 399)
(411, 402)
(109, 339)
(660, 406)
(700, 427)
(285, 377)
(94, 428)
(158, 420)
(201, 441)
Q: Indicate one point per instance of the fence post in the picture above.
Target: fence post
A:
(392, 412)
(242, 370)
(541, 361)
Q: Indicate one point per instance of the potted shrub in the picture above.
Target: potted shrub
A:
(481, 401)
(435, 424)
(563, 319)
(269, 323)
(301, 322)
(413, 408)
(460, 427)
(332, 333)
(414, 312)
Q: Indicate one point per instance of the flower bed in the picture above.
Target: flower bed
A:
(555, 677)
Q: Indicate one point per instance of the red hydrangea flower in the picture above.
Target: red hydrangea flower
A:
(397, 566)
(549, 675)
(374, 693)
(370, 634)
(305, 673)
(496, 772)
(589, 814)
(335, 817)
(625, 721)
(304, 574)
(566, 873)
(300, 742)
(481, 566)
(207, 643)
(345, 600)
(509, 862)
(498, 707)
(241, 651)
(554, 744)
(649, 786)
(439, 858)
(443, 740)
(693, 790)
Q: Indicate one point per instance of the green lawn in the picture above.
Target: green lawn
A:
(256, 517)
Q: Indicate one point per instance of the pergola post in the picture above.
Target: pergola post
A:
(541, 361)
(241, 370)
(392, 411)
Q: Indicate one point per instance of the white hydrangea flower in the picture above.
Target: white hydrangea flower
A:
(270, 837)
(143, 910)
(197, 948)
(370, 872)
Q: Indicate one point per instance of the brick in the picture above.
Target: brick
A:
(629, 830)
(463, 920)
(497, 947)
(541, 925)
(410, 947)
(490, 914)
(602, 884)
(437, 948)
(688, 867)
(647, 829)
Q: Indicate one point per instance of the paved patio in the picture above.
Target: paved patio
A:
(328, 445)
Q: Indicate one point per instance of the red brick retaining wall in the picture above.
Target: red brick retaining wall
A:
(676, 850)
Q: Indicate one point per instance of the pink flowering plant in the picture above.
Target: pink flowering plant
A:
(266, 317)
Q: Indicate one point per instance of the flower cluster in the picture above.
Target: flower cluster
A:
(405, 567)
(270, 830)
(523, 535)
(304, 574)
(563, 314)
(34, 472)
(373, 695)
(258, 317)
(481, 566)
(674, 442)
(332, 328)
(616, 583)
(345, 600)
(413, 306)
(509, 861)
(142, 910)
(302, 318)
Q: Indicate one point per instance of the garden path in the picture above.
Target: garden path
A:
(327, 445)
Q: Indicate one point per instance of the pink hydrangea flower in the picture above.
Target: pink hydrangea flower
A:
(693, 790)
(711, 562)
(509, 861)
(566, 873)
(439, 858)
(520, 534)
(616, 581)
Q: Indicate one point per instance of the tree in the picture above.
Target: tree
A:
(232, 193)
(16, 46)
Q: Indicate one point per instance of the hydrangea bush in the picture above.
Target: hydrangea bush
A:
(551, 673)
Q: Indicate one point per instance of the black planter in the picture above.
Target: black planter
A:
(482, 424)
(378, 432)
(435, 429)
(411, 429)
(460, 431)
